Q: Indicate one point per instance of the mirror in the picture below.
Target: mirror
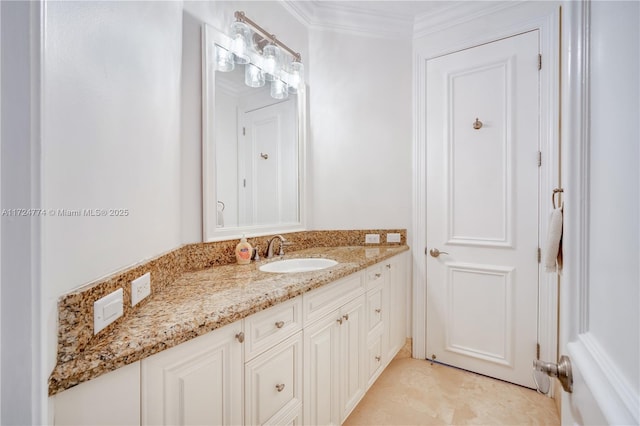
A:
(253, 151)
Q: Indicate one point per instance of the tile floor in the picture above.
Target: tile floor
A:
(414, 392)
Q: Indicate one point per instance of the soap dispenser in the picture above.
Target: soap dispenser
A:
(243, 252)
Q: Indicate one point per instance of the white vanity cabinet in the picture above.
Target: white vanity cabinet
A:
(197, 382)
(111, 399)
(334, 350)
(273, 369)
(306, 360)
(378, 307)
(396, 273)
(386, 285)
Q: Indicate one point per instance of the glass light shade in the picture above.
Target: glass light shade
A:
(296, 70)
(253, 76)
(240, 33)
(224, 59)
(279, 89)
(271, 56)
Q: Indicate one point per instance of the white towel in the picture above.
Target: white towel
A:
(553, 246)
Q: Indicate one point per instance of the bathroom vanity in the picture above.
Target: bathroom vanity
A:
(290, 348)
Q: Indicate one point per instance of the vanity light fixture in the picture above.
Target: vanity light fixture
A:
(264, 56)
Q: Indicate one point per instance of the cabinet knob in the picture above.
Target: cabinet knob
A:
(378, 310)
(378, 358)
(339, 321)
(388, 266)
(378, 275)
(280, 387)
(280, 324)
(346, 317)
(240, 337)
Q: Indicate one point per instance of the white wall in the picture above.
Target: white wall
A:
(110, 140)
(614, 198)
(361, 132)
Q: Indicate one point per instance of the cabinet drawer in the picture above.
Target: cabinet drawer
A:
(375, 298)
(269, 327)
(320, 302)
(273, 383)
(374, 275)
(374, 360)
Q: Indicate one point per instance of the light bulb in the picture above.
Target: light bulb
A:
(239, 35)
(279, 89)
(224, 59)
(253, 76)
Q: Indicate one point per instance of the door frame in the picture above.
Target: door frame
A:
(480, 27)
(603, 391)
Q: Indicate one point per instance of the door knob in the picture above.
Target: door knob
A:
(434, 252)
(561, 370)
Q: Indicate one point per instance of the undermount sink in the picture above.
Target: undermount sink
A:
(289, 266)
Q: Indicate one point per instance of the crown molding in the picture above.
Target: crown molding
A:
(348, 19)
(457, 14)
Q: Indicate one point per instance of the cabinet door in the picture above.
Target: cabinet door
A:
(374, 360)
(198, 382)
(396, 271)
(321, 351)
(85, 404)
(273, 383)
(353, 366)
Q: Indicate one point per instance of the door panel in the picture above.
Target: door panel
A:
(268, 165)
(478, 182)
(482, 208)
(481, 331)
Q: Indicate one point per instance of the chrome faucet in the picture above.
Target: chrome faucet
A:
(283, 242)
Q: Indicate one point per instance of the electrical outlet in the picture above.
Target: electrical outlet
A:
(393, 237)
(140, 288)
(372, 239)
(107, 310)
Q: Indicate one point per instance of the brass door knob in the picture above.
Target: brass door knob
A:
(434, 252)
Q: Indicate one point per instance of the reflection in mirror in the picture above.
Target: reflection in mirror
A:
(256, 154)
(253, 149)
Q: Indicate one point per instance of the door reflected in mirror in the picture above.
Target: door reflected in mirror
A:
(256, 154)
(253, 150)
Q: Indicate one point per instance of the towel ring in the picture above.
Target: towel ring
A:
(553, 196)
(221, 203)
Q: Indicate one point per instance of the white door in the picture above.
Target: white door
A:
(269, 151)
(482, 208)
(599, 291)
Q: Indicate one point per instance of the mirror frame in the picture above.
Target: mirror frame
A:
(210, 232)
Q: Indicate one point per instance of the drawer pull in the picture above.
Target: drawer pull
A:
(378, 275)
(346, 317)
(240, 337)
(378, 310)
(339, 321)
(280, 387)
(378, 358)
(280, 324)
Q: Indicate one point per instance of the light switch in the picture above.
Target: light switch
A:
(107, 310)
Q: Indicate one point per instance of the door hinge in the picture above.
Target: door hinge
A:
(244, 183)
(539, 255)
(539, 158)
(537, 350)
(539, 61)
(244, 131)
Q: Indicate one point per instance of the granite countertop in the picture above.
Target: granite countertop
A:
(201, 301)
